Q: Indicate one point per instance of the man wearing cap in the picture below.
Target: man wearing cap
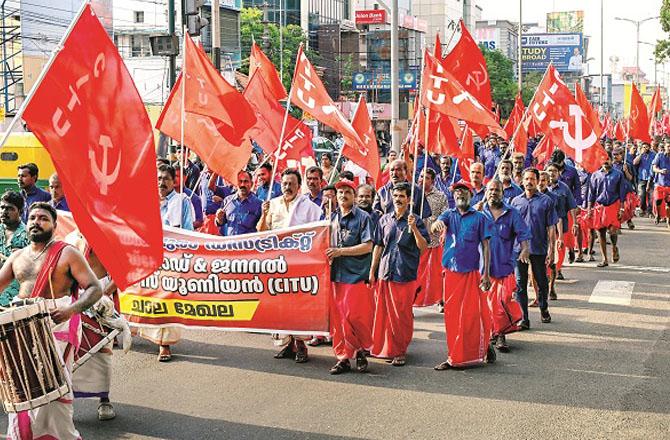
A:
(508, 228)
(399, 240)
(430, 269)
(539, 214)
(385, 202)
(467, 317)
(352, 307)
(607, 192)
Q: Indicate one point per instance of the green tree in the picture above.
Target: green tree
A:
(501, 75)
(662, 50)
(253, 28)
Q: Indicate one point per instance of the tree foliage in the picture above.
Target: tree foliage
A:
(662, 50)
(253, 28)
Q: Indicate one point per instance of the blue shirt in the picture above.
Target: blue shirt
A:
(584, 181)
(351, 230)
(564, 202)
(262, 191)
(31, 196)
(607, 188)
(443, 185)
(60, 205)
(316, 200)
(628, 185)
(477, 196)
(465, 232)
(507, 230)
(644, 166)
(510, 192)
(384, 201)
(570, 177)
(662, 161)
(490, 158)
(400, 259)
(419, 165)
(538, 213)
(197, 204)
(241, 215)
(186, 221)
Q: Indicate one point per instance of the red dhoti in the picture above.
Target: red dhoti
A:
(661, 193)
(506, 312)
(351, 316)
(467, 319)
(606, 216)
(430, 278)
(585, 227)
(569, 238)
(632, 201)
(394, 320)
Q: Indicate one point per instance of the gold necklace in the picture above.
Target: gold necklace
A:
(43, 250)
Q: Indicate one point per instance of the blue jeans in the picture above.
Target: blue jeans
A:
(539, 268)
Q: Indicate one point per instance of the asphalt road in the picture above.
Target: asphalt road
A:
(597, 371)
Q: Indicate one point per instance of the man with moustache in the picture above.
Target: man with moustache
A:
(384, 202)
(399, 240)
(365, 196)
(27, 180)
(263, 177)
(566, 210)
(477, 183)
(51, 269)
(241, 211)
(539, 214)
(314, 177)
(569, 175)
(510, 189)
(57, 195)
(518, 165)
(13, 236)
(467, 318)
(289, 209)
(352, 306)
(508, 229)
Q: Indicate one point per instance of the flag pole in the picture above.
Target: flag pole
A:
(425, 160)
(337, 162)
(416, 143)
(283, 129)
(451, 38)
(40, 78)
(183, 110)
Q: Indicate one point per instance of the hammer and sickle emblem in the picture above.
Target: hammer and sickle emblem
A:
(577, 143)
(102, 176)
(474, 77)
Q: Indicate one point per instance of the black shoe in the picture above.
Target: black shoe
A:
(552, 295)
(341, 367)
(546, 317)
(571, 256)
(286, 352)
(491, 355)
(501, 344)
(560, 276)
(525, 325)
(301, 353)
(361, 362)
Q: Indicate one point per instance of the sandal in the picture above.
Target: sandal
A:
(341, 367)
(164, 354)
(443, 366)
(602, 264)
(615, 254)
(579, 259)
(398, 361)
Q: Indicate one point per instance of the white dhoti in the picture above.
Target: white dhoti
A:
(54, 420)
(161, 335)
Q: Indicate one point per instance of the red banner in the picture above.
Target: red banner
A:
(274, 281)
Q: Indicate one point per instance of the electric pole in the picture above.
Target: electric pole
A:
(395, 95)
(216, 34)
(173, 58)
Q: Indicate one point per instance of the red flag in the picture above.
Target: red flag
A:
(218, 119)
(590, 114)
(520, 142)
(367, 158)
(560, 117)
(619, 130)
(515, 116)
(442, 93)
(638, 120)
(608, 125)
(438, 47)
(310, 95)
(258, 61)
(468, 66)
(296, 151)
(542, 151)
(656, 104)
(466, 155)
(89, 116)
(665, 123)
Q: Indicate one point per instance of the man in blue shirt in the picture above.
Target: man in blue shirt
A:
(490, 156)
(398, 174)
(263, 178)
(195, 200)
(510, 189)
(352, 307)
(569, 175)
(478, 188)
(467, 317)
(27, 179)
(399, 240)
(626, 168)
(365, 195)
(57, 195)
(642, 162)
(241, 211)
(539, 214)
(314, 178)
(607, 191)
(508, 228)
(661, 166)
(447, 177)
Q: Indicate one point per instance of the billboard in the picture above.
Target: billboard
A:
(371, 16)
(382, 80)
(562, 22)
(563, 50)
(488, 37)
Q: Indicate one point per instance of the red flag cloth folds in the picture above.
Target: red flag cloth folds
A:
(441, 92)
(466, 156)
(638, 120)
(542, 151)
(218, 119)
(438, 47)
(620, 131)
(259, 62)
(89, 116)
(558, 115)
(468, 65)
(589, 112)
(520, 142)
(514, 117)
(656, 104)
(296, 150)
(368, 157)
(310, 95)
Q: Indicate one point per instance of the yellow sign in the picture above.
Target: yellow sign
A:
(135, 305)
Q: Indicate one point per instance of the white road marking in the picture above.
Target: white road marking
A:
(612, 292)
(617, 266)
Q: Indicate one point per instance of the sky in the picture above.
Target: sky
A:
(619, 36)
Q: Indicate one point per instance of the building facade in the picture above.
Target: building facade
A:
(442, 16)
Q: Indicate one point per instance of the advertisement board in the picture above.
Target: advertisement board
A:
(488, 37)
(371, 16)
(382, 80)
(568, 21)
(563, 50)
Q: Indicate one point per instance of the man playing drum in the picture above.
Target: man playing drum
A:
(52, 270)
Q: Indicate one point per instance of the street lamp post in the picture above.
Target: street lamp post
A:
(637, 24)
